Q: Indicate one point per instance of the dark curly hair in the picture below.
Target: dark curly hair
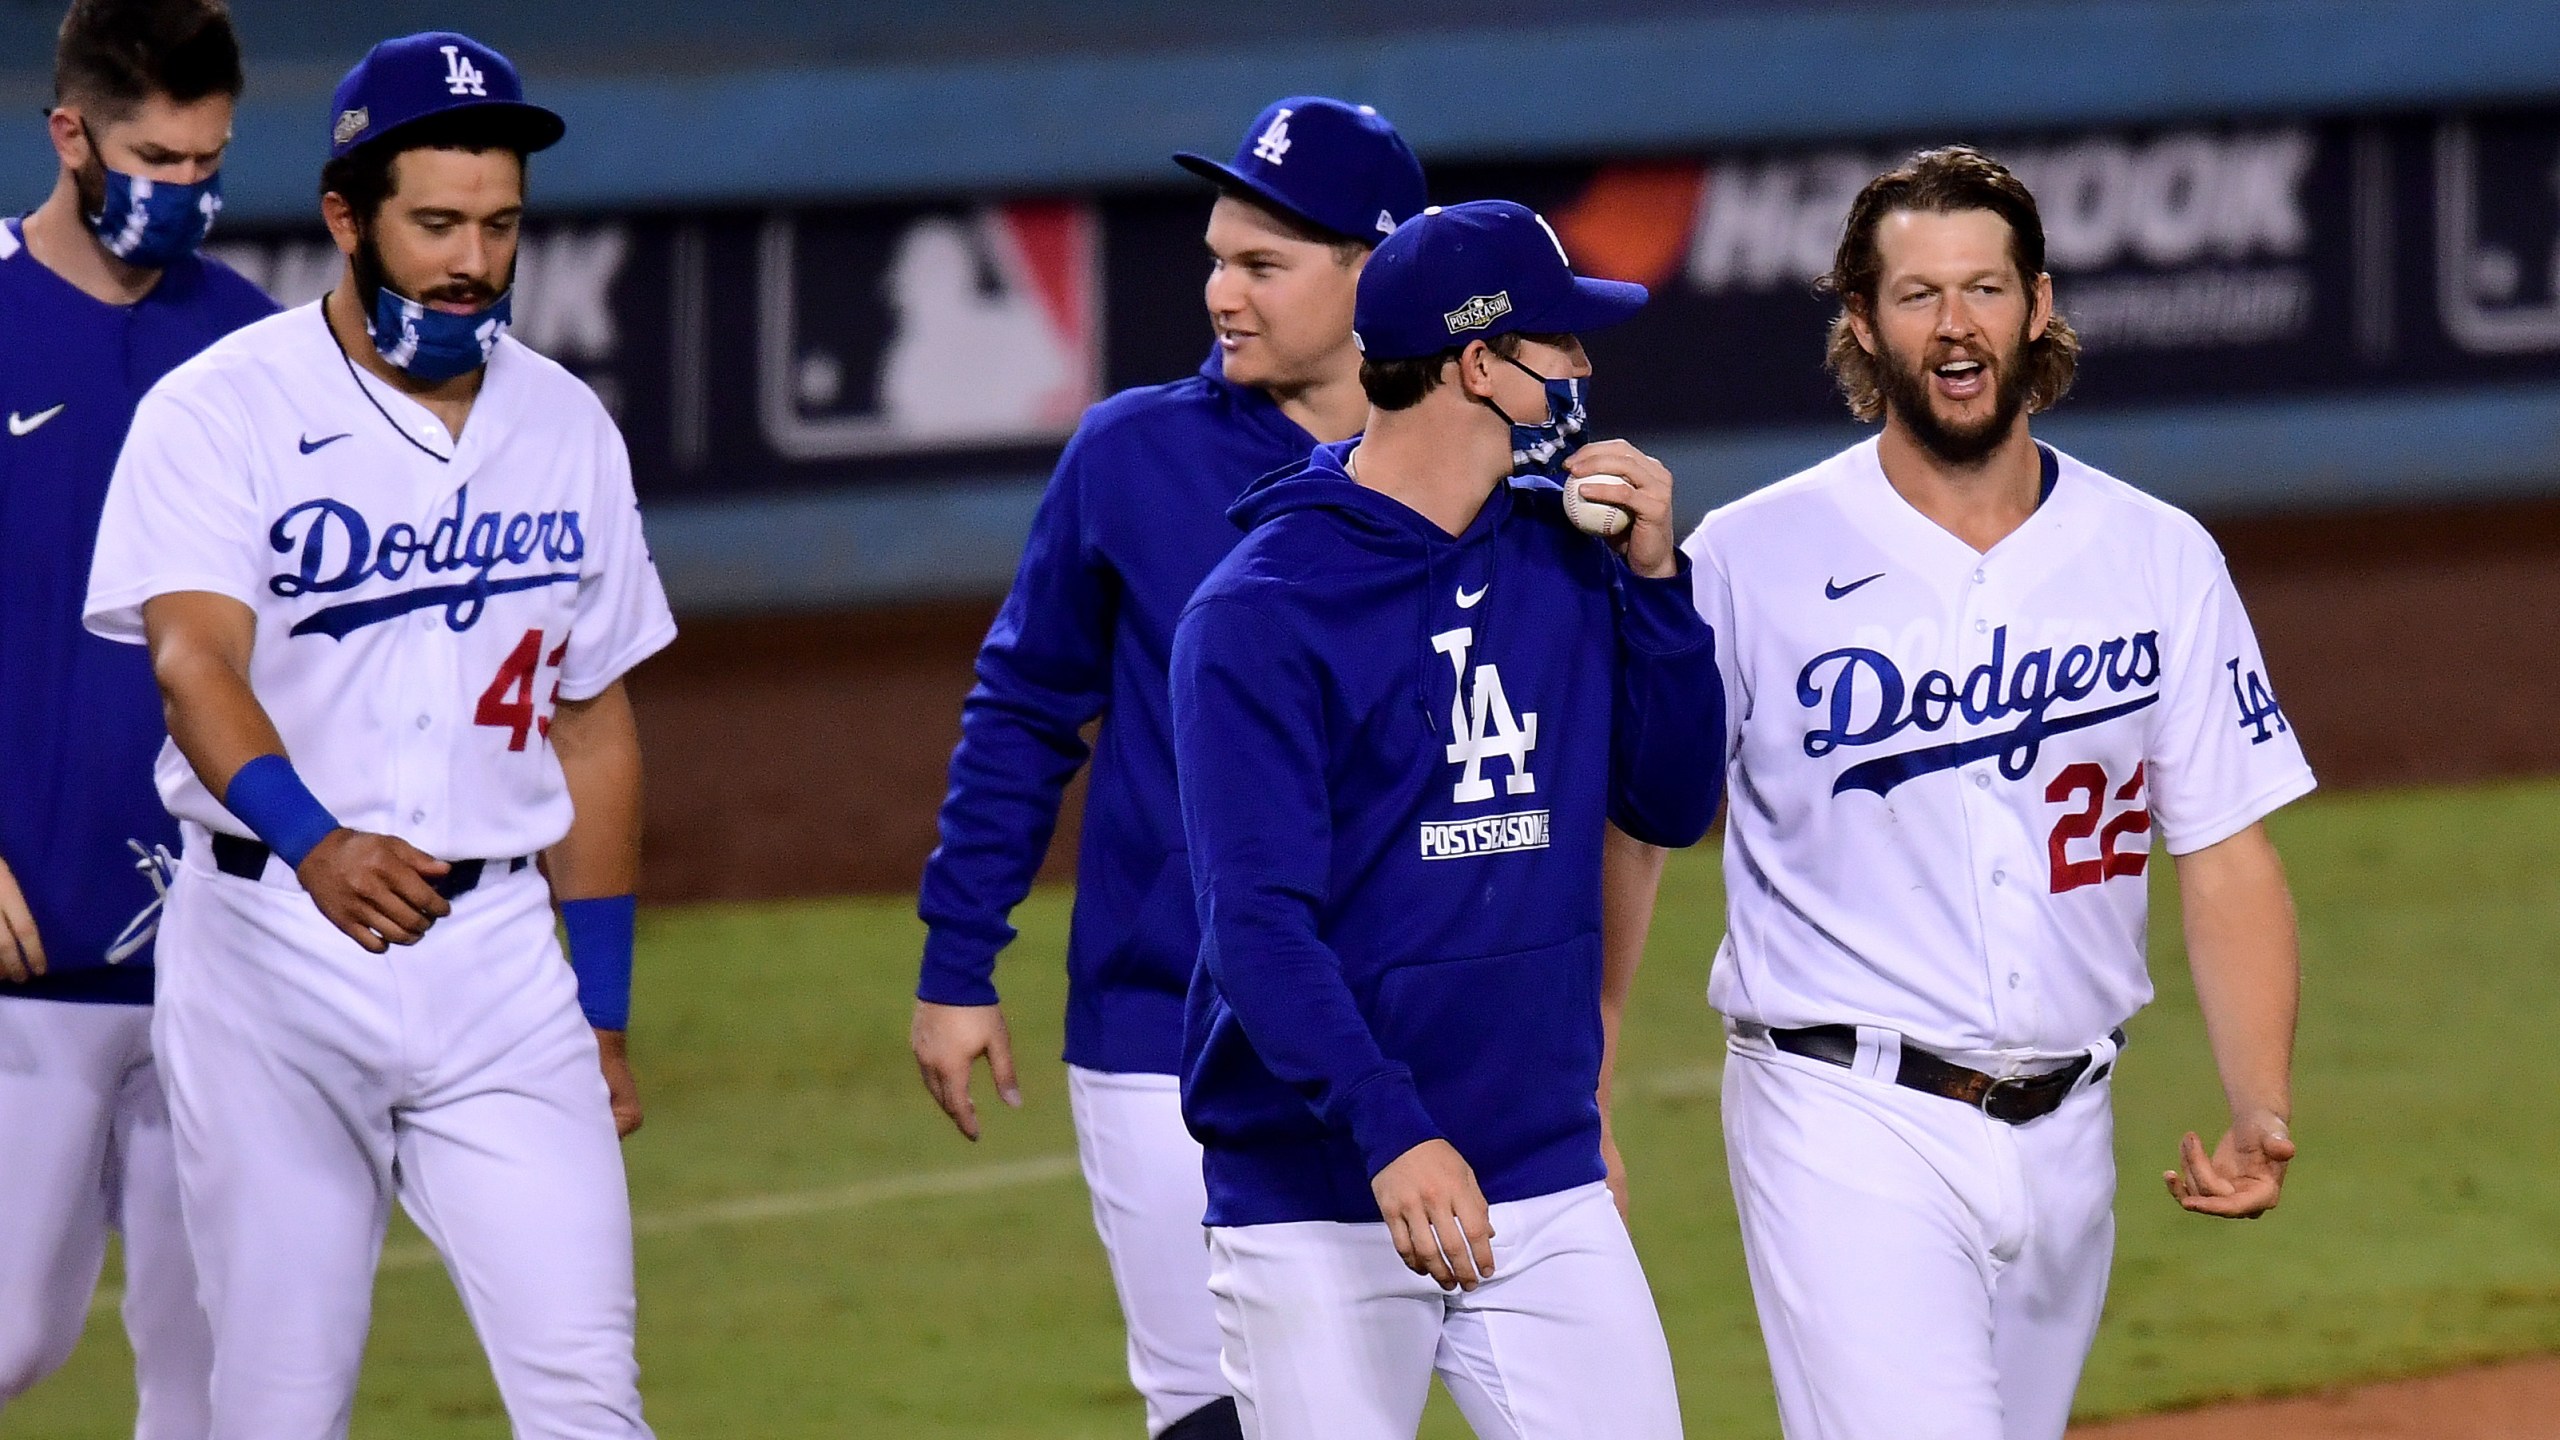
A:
(1943, 181)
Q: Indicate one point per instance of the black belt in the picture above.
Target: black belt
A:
(2015, 1099)
(247, 860)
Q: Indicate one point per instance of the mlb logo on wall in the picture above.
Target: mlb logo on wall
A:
(951, 330)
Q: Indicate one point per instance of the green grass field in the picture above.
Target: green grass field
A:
(822, 1256)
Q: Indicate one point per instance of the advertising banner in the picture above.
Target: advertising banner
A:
(821, 347)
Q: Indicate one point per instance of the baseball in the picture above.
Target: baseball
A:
(1597, 514)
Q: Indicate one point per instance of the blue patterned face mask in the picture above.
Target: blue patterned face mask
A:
(434, 345)
(155, 223)
(1541, 449)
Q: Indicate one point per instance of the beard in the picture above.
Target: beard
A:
(90, 184)
(1959, 444)
(373, 277)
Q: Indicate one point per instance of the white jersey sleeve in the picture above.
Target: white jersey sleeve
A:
(2224, 756)
(621, 609)
(181, 514)
(1713, 591)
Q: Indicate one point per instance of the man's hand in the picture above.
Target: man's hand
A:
(1650, 547)
(374, 887)
(613, 1049)
(948, 1039)
(21, 952)
(1616, 1165)
(2242, 1179)
(1436, 1215)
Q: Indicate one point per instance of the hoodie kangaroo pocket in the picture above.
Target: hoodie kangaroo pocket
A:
(1505, 1049)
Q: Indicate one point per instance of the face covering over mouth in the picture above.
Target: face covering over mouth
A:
(154, 223)
(1542, 449)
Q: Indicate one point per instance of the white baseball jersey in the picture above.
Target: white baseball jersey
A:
(422, 604)
(1948, 766)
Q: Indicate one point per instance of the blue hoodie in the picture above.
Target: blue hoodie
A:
(1133, 519)
(1399, 878)
(80, 719)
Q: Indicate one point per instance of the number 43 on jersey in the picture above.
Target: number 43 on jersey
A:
(508, 703)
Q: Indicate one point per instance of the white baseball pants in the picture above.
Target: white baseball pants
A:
(1142, 1169)
(1329, 1337)
(1923, 1271)
(311, 1082)
(85, 1148)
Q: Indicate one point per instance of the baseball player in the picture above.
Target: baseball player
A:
(1970, 679)
(1405, 710)
(101, 293)
(391, 572)
(1133, 518)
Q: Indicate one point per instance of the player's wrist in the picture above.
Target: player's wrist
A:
(268, 796)
(602, 934)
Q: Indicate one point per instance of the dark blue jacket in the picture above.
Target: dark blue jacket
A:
(1133, 518)
(1397, 751)
(80, 719)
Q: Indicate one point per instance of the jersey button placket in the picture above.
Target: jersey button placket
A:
(1997, 902)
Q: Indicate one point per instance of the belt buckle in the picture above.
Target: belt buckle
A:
(2005, 1085)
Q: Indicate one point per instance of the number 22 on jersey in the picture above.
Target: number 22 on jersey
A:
(2084, 787)
(508, 702)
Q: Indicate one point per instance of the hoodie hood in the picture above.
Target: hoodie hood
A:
(1389, 562)
(1379, 521)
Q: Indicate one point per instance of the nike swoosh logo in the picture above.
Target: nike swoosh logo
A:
(308, 444)
(1833, 589)
(1469, 602)
(27, 424)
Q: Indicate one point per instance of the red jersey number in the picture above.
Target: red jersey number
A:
(2084, 787)
(508, 703)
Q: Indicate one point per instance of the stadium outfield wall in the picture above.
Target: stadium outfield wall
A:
(2315, 248)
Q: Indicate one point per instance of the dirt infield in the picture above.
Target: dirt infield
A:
(2519, 1401)
(804, 755)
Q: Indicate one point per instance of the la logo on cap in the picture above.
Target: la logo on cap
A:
(460, 75)
(1479, 312)
(1274, 142)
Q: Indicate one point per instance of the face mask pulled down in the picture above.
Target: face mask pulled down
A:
(433, 345)
(426, 343)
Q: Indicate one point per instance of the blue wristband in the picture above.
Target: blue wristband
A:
(600, 939)
(278, 808)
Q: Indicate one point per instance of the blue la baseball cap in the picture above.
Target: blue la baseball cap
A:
(401, 82)
(1337, 166)
(1469, 272)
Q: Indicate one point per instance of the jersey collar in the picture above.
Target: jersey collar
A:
(1255, 407)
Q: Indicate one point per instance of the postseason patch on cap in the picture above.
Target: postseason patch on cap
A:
(1478, 312)
(351, 123)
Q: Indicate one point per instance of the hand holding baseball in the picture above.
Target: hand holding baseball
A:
(1648, 544)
